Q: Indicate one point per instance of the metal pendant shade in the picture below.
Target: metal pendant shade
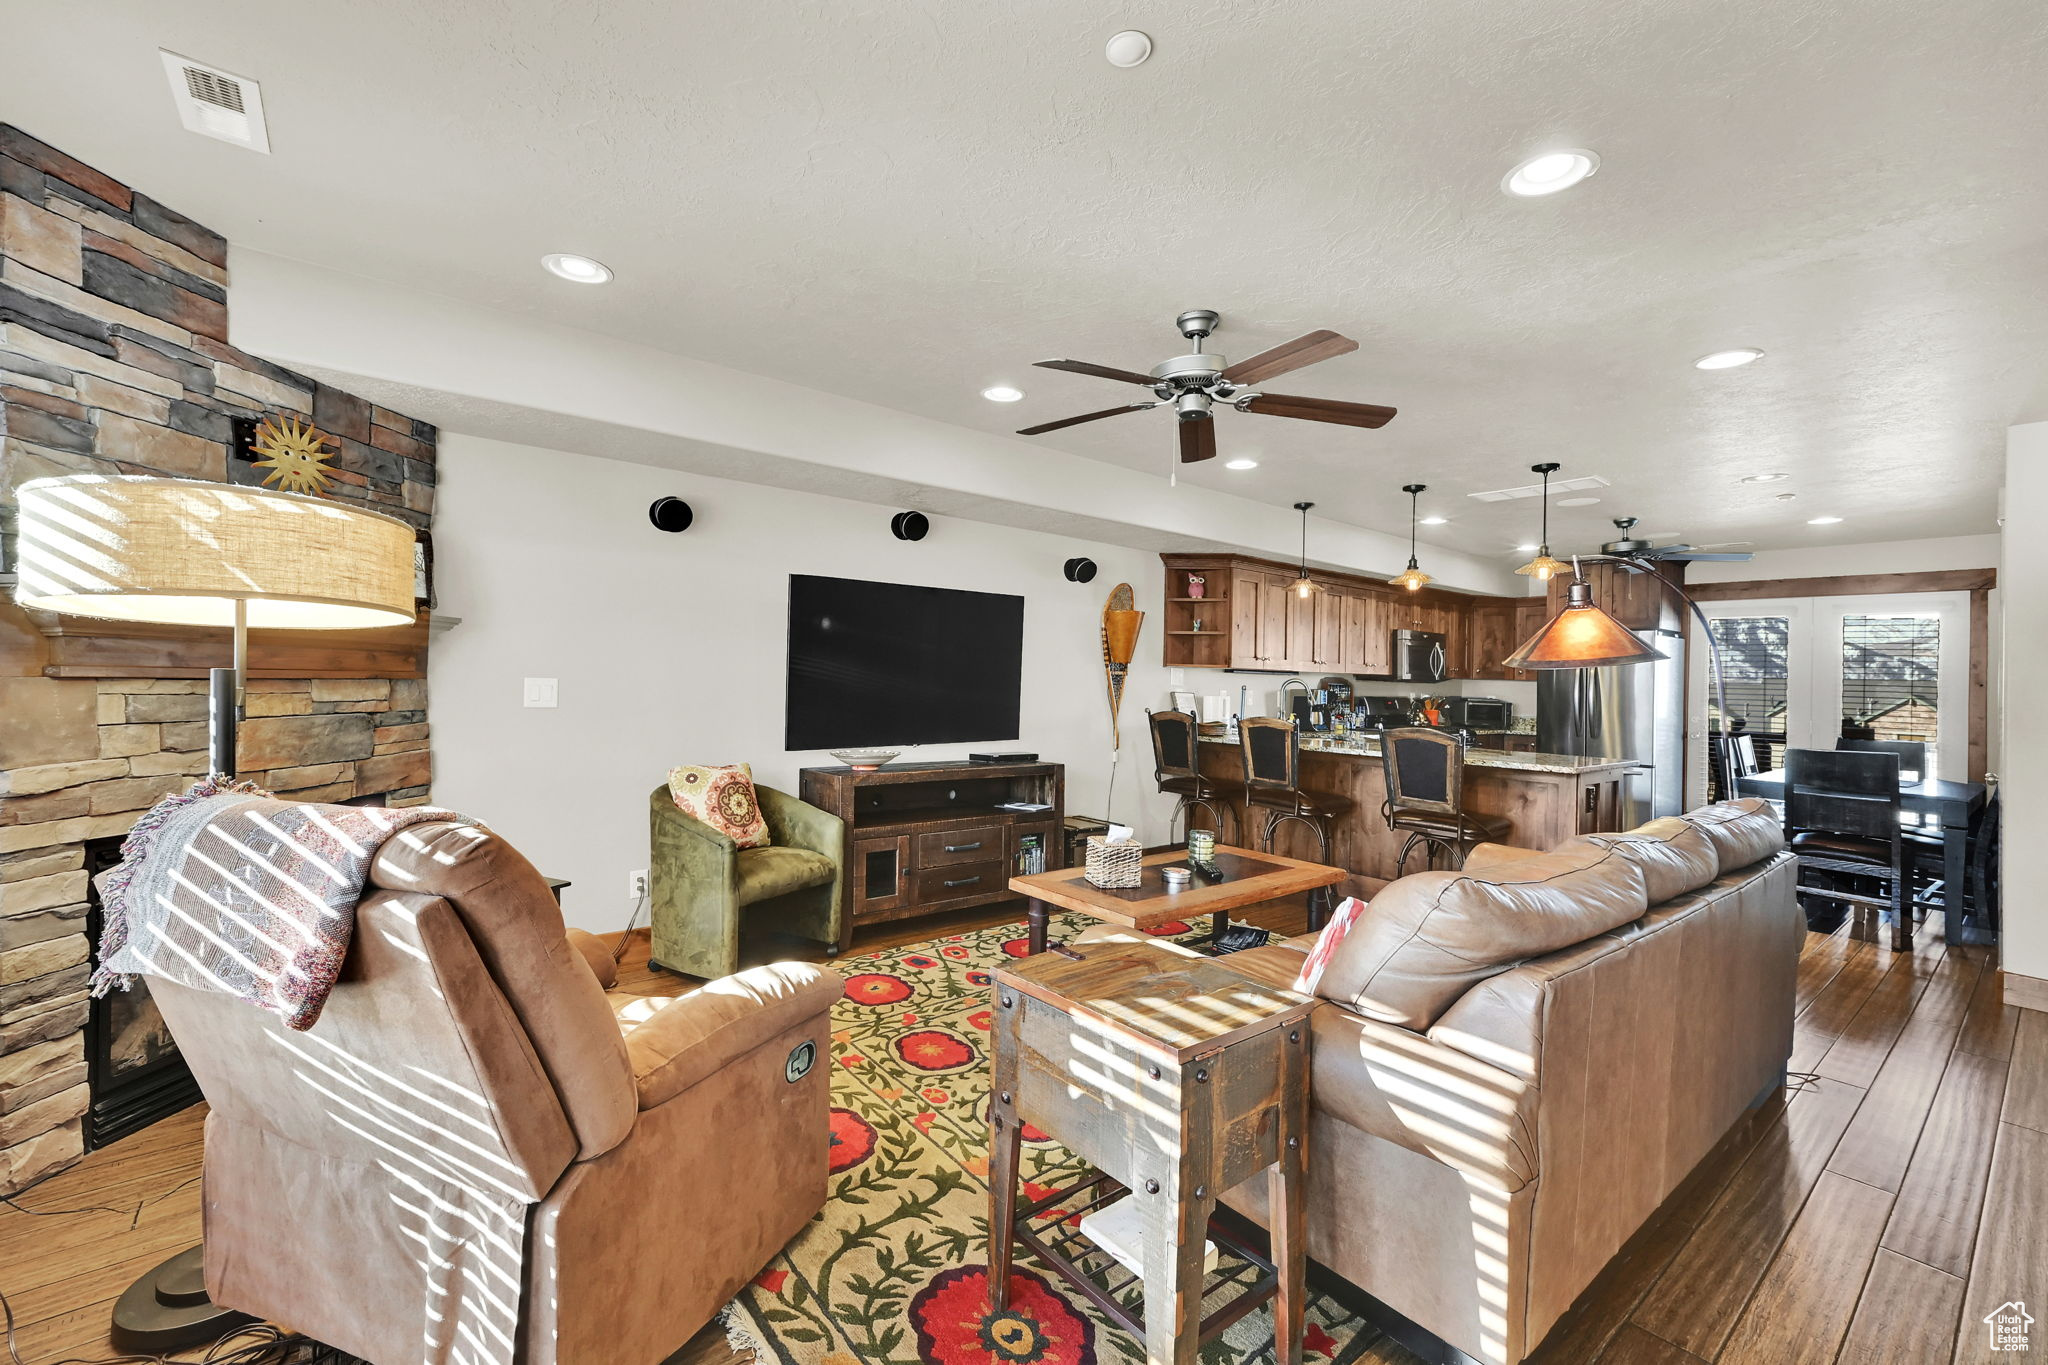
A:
(176, 551)
(1582, 635)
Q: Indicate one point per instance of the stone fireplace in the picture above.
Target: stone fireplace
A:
(114, 359)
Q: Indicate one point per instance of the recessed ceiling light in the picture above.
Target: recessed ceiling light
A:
(1241, 463)
(1525, 549)
(580, 269)
(1787, 497)
(1001, 393)
(1728, 360)
(1576, 502)
(1550, 172)
(1764, 478)
(1127, 49)
(1434, 521)
(1822, 521)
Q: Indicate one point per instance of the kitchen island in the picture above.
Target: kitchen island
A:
(1545, 798)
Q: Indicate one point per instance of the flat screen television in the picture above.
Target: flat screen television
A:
(873, 664)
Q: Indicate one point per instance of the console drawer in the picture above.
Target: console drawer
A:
(954, 880)
(977, 845)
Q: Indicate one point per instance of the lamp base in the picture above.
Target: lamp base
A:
(167, 1309)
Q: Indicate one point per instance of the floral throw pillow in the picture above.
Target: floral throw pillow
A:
(1331, 939)
(723, 798)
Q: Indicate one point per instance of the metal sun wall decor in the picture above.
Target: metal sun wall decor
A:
(295, 453)
(1120, 624)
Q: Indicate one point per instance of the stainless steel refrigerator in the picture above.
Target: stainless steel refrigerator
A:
(1630, 711)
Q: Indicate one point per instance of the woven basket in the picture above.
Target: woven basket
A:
(1114, 864)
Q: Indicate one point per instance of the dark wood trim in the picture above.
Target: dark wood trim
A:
(1980, 675)
(1848, 585)
(84, 647)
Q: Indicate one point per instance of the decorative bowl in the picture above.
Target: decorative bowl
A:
(864, 760)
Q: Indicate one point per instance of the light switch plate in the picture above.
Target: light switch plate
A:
(540, 691)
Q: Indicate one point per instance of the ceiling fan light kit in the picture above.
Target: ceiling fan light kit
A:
(1412, 578)
(1193, 384)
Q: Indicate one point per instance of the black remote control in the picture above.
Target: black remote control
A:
(1208, 872)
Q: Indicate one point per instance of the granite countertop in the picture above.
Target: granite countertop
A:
(1362, 746)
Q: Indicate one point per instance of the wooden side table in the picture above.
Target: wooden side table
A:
(1177, 1078)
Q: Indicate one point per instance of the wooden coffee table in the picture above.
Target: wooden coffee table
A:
(1249, 878)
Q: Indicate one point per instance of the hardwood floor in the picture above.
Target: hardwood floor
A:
(1875, 1214)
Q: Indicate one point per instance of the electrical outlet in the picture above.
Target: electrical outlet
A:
(636, 883)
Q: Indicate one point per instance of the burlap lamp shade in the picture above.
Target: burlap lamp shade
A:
(1581, 636)
(181, 552)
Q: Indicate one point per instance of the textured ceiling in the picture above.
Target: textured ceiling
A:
(910, 200)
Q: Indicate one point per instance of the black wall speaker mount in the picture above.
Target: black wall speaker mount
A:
(909, 525)
(670, 514)
(1079, 570)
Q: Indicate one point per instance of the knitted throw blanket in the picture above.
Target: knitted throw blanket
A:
(226, 888)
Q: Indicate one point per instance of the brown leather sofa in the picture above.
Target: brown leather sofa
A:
(1517, 1062)
(476, 1155)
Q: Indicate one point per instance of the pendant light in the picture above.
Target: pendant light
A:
(1543, 568)
(1304, 586)
(1411, 578)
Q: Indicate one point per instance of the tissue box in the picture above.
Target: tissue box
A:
(1114, 864)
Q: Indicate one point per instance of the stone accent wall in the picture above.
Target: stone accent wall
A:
(114, 359)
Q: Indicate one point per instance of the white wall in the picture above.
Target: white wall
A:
(2022, 760)
(1827, 561)
(671, 648)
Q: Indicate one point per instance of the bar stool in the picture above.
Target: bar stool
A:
(1177, 768)
(1272, 782)
(1426, 797)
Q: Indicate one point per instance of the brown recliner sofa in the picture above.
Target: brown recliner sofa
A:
(1517, 1062)
(476, 1155)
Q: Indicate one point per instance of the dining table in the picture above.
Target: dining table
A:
(1955, 806)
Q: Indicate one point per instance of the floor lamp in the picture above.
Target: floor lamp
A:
(177, 552)
(1584, 635)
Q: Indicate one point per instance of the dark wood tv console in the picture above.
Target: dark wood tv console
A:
(922, 838)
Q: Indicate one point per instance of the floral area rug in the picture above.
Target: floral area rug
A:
(892, 1270)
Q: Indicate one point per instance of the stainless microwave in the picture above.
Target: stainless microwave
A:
(1419, 656)
(1483, 713)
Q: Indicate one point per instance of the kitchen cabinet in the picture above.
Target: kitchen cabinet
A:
(1247, 616)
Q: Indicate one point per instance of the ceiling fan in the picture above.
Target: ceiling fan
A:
(1192, 384)
(1631, 548)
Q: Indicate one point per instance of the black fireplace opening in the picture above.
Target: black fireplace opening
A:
(132, 1063)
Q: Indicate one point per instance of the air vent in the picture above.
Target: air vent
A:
(217, 103)
(1535, 490)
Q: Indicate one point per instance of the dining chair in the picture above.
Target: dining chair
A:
(1737, 755)
(1912, 754)
(1842, 819)
(1923, 831)
(1425, 776)
(1177, 769)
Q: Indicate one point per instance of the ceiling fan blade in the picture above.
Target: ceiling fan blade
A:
(1695, 556)
(1099, 371)
(1292, 355)
(1044, 427)
(1317, 409)
(1198, 440)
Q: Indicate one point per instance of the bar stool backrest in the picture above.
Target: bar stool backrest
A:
(1173, 744)
(1272, 753)
(1912, 754)
(1844, 791)
(1425, 770)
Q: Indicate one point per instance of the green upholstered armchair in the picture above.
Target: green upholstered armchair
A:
(701, 884)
